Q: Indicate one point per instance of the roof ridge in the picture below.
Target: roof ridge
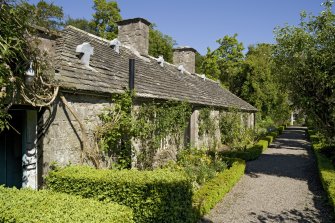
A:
(87, 33)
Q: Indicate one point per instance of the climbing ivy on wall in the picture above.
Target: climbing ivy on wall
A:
(117, 129)
(157, 121)
(234, 133)
(147, 124)
(206, 123)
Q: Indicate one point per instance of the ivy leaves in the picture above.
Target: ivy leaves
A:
(155, 121)
(150, 123)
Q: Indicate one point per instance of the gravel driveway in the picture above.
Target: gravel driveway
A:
(281, 186)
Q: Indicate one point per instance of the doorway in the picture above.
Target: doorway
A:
(11, 150)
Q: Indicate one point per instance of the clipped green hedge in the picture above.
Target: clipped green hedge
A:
(263, 143)
(28, 206)
(215, 189)
(251, 153)
(325, 167)
(281, 129)
(154, 196)
(269, 139)
(247, 155)
(274, 134)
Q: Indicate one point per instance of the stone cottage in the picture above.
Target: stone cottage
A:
(88, 70)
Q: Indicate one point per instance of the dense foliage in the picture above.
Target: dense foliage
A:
(325, 164)
(28, 206)
(44, 14)
(234, 133)
(150, 124)
(207, 127)
(252, 77)
(154, 196)
(199, 166)
(117, 129)
(215, 189)
(253, 152)
(160, 44)
(18, 52)
(156, 122)
(261, 86)
(305, 56)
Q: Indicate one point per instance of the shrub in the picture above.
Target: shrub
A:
(269, 139)
(215, 189)
(154, 196)
(263, 143)
(281, 129)
(314, 139)
(251, 153)
(248, 154)
(325, 167)
(198, 165)
(274, 134)
(46, 206)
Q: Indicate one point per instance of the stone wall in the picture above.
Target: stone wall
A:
(205, 140)
(62, 140)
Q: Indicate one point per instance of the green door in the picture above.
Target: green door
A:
(11, 151)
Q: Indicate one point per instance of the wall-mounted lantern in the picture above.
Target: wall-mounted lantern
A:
(30, 75)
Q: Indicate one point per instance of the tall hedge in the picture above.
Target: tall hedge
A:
(154, 196)
(28, 206)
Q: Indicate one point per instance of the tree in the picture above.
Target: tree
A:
(198, 63)
(210, 66)
(106, 14)
(18, 54)
(305, 58)
(230, 58)
(160, 44)
(260, 85)
(82, 24)
(43, 14)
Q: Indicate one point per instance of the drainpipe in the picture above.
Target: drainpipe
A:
(131, 74)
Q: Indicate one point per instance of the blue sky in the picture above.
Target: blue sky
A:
(199, 23)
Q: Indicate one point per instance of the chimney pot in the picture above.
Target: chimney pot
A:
(135, 33)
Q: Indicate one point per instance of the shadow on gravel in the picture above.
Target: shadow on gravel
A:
(295, 164)
(291, 216)
(290, 156)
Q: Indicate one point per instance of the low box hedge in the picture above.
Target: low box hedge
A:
(326, 169)
(154, 196)
(263, 143)
(248, 154)
(281, 129)
(215, 189)
(269, 139)
(27, 206)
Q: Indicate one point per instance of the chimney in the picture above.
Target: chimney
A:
(135, 33)
(185, 56)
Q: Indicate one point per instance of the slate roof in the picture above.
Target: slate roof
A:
(109, 73)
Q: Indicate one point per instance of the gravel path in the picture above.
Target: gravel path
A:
(281, 186)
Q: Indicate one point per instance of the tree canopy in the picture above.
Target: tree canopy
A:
(305, 58)
(18, 54)
(160, 44)
(47, 15)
